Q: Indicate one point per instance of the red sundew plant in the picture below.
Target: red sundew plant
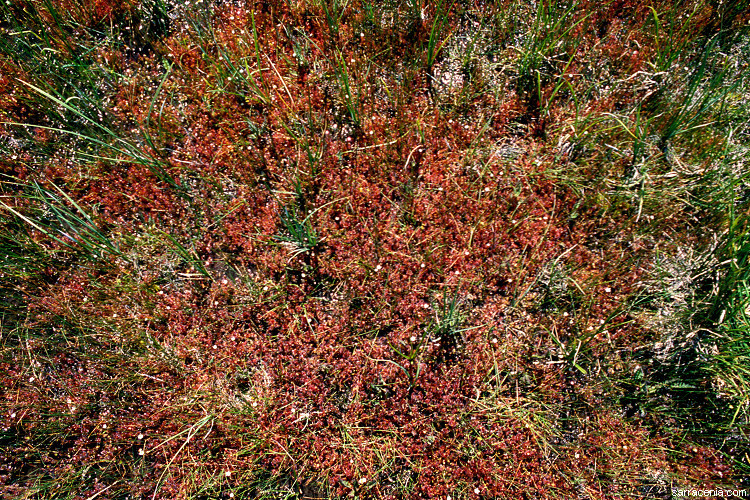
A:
(327, 250)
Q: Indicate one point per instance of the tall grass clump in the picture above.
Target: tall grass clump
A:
(730, 301)
(687, 155)
(63, 68)
(547, 49)
(57, 216)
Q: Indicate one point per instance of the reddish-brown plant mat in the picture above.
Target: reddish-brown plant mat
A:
(351, 249)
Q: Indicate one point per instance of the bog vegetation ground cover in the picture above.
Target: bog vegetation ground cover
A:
(351, 249)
